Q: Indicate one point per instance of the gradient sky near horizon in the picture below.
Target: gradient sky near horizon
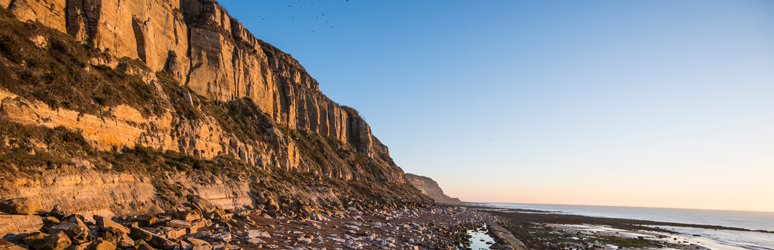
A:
(622, 103)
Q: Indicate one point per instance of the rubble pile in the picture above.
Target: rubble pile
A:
(205, 227)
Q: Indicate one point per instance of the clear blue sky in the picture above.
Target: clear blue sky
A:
(630, 103)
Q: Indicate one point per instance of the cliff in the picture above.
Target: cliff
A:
(430, 188)
(134, 101)
(210, 53)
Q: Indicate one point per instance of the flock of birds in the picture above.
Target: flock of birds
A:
(316, 17)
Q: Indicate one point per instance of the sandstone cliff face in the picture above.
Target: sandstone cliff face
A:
(430, 188)
(203, 47)
(234, 96)
(215, 56)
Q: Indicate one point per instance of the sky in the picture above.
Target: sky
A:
(618, 103)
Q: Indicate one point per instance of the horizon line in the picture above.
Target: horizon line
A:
(586, 205)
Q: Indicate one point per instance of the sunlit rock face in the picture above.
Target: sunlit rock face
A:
(212, 59)
(215, 56)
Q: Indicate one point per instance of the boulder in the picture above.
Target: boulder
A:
(57, 212)
(202, 247)
(189, 216)
(125, 242)
(201, 223)
(58, 241)
(146, 220)
(142, 245)
(79, 235)
(51, 220)
(165, 217)
(34, 238)
(101, 245)
(67, 223)
(257, 233)
(105, 223)
(178, 224)
(78, 247)
(152, 239)
(195, 225)
(139, 234)
(215, 214)
(6, 245)
(161, 243)
(224, 237)
(113, 235)
(173, 233)
(224, 217)
(185, 245)
(20, 206)
(197, 242)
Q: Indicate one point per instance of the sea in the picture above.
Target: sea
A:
(713, 239)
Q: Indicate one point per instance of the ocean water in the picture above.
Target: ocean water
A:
(715, 239)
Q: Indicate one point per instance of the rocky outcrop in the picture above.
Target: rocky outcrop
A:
(223, 116)
(208, 51)
(254, 228)
(430, 188)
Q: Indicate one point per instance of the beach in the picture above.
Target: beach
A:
(202, 228)
(406, 226)
(566, 227)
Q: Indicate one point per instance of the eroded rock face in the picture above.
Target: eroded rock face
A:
(225, 61)
(200, 45)
(213, 56)
(430, 188)
(49, 12)
(89, 192)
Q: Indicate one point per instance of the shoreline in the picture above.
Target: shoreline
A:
(540, 229)
(550, 216)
